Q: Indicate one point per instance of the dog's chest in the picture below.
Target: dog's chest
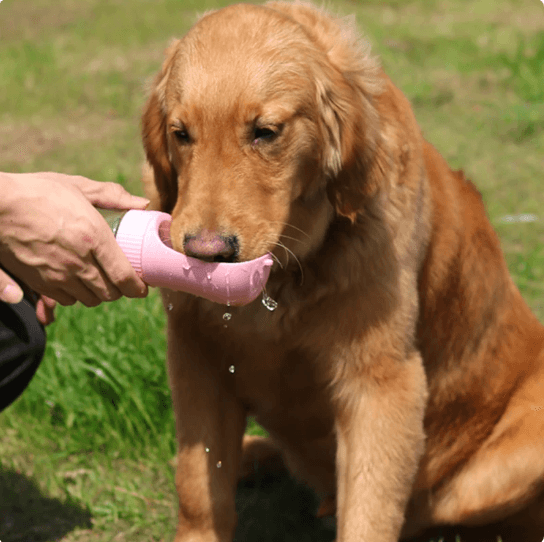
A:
(263, 364)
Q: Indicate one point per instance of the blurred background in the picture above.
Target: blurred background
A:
(86, 452)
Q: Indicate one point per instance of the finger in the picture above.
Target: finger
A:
(106, 195)
(104, 289)
(10, 291)
(44, 312)
(123, 276)
(97, 281)
(128, 281)
(131, 288)
(84, 293)
(113, 196)
(50, 303)
(116, 267)
(61, 297)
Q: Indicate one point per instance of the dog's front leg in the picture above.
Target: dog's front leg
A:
(380, 441)
(210, 424)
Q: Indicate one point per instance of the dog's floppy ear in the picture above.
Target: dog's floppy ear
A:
(154, 134)
(355, 155)
(349, 83)
(356, 158)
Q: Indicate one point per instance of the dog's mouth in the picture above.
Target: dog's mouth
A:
(237, 283)
(212, 246)
(215, 259)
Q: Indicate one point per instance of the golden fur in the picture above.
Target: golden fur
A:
(401, 374)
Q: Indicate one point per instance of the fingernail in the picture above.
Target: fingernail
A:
(12, 294)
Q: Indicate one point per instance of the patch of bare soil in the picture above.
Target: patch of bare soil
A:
(527, 16)
(30, 20)
(22, 141)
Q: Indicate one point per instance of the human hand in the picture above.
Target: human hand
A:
(45, 310)
(45, 306)
(55, 241)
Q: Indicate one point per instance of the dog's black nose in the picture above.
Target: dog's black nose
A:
(211, 246)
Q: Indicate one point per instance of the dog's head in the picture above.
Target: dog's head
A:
(259, 128)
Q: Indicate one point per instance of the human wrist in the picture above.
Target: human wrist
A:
(13, 189)
(6, 189)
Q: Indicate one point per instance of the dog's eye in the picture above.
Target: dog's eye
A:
(264, 134)
(181, 136)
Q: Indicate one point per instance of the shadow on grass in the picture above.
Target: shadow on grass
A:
(26, 515)
(274, 507)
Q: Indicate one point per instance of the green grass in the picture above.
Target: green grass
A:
(86, 452)
(112, 357)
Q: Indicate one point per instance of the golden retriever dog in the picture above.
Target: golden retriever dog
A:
(402, 374)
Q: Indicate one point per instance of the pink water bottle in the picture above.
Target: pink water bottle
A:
(144, 237)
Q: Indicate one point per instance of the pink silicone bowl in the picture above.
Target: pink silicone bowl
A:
(139, 236)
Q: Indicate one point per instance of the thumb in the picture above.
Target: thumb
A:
(10, 291)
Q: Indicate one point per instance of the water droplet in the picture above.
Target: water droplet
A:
(269, 303)
(209, 276)
(219, 464)
(228, 288)
(232, 369)
(227, 316)
(207, 450)
(170, 306)
(255, 279)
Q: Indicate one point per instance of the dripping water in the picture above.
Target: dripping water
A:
(268, 302)
(227, 316)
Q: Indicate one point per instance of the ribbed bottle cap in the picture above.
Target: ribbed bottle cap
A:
(131, 234)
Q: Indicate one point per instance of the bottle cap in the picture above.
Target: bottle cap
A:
(132, 232)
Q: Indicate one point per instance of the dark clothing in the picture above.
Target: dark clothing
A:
(22, 345)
